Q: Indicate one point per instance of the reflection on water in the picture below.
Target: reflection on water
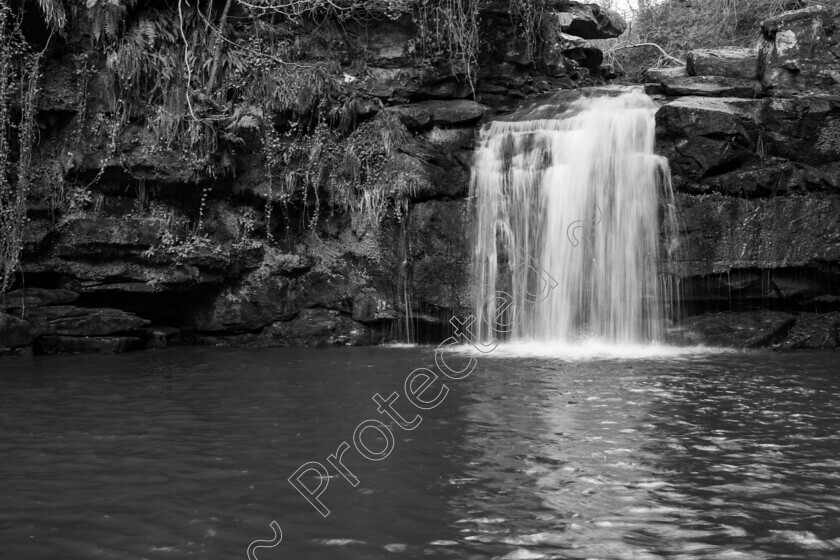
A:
(185, 454)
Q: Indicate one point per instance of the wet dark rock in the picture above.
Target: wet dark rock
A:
(453, 112)
(752, 329)
(107, 237)
(15, 332)
(700, 116)
(762, 177)
(712, 86)
(555, 64)
(559, 47)
(424, 179)
(791, 288)
(88, 344)
(412, 116)
(142, 159)
(771, 178)
(68, 320)
(388, 83)
(391, 46)
(822, 304)
(805, 129)
(706, 137)
(123, 276)
(369, 306)
(259, 299)
(22, 352)
(720, 233)
(662, 74)
(448, 88)
(101, 93)
(730, 62)
(588, 21)
(814, 332)
(439, 244)
(38, 236)
(799, 53)
(29, 298)
(62, 92)
(322, 327)
(160, 336)
(428, 167)
(590, 58)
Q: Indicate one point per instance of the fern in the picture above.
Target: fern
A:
(54, 13)
(107, 17)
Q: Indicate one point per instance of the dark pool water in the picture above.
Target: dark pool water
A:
(185, 454)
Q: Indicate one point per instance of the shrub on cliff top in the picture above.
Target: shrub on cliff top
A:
(675, 27)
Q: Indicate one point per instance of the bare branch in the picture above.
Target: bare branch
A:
(624, 46)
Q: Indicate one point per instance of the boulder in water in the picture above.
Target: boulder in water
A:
(15, 332)
(88, 344)
(752, 329)
(321, 327)
(814, 332)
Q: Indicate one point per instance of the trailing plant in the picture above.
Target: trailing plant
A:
(448, 28)
(18, 89)
(527, 15)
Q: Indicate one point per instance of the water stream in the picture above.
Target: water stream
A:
(577, 189)
(185, 454)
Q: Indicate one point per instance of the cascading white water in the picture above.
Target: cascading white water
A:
(578, 190)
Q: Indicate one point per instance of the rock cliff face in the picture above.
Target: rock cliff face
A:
(752, 137)
(102, 270)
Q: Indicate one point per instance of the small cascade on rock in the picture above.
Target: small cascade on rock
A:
(403, 330)
(574, 191)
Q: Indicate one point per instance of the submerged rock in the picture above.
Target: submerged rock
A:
(88, 344)
(322, 327)
(814, 332)
(16, 332)
(752, 329)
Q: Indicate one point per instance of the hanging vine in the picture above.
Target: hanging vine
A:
(18, 90)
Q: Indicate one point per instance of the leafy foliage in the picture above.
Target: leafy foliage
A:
(212, 79)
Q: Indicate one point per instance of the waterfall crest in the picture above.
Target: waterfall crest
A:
(579, 192)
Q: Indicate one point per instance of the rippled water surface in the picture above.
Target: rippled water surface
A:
(185, 453)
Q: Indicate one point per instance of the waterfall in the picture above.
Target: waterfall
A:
(574, 190)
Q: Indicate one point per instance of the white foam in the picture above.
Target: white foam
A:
(588, 350)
